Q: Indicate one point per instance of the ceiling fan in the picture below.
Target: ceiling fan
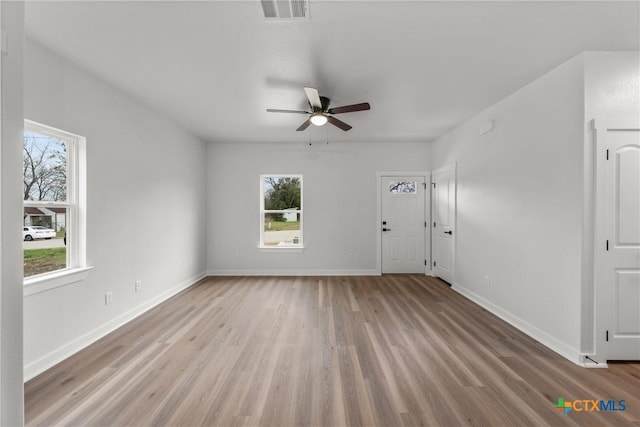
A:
(321, 113)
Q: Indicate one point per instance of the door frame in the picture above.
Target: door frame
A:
(453, 167)
(427, 215)
(600, 127)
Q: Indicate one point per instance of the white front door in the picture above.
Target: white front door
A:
(403, 224)
(618, 243)
(443, 205)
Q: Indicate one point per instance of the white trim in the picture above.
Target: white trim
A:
(50, 130)
(63, 352)
(586, 363)
(427, 214)
(281, 249)
(587, 308)
(369, 272)
(539, 335)
(615, 123)
(47, 281)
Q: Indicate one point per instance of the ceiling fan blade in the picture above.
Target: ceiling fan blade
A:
(304, 125)
(350, 108)
(314, 98)
(275, 110)
(339, 123)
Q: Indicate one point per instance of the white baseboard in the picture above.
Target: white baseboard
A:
(537, 334)
(37, 367)
(372, 272)
(591, 365)
(588, 360)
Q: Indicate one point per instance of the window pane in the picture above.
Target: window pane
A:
(402, 187)
(282, 229)
(44, 240)
(44, 167)
(281, 193)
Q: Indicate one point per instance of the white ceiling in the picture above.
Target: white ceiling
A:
(215, 66)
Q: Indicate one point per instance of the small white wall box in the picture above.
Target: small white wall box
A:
(486, 127)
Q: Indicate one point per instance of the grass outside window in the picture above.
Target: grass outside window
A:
(38, 261)
(281, 225)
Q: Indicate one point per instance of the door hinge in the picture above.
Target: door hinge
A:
(607, 336)
(434, 225)
(425, 262)
(434, 184)
(425, 224)
(424, 185)
(434, 263)
(607, 154)
(607, 245)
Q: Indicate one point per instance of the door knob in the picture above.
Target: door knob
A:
(386, 229)
(448, 232)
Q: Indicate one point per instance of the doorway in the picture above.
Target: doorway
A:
(617, 240)
(443, 205)
(402, 223)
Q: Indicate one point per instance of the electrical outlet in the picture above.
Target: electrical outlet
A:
(108, 298)
(138, 285)
(487, 281)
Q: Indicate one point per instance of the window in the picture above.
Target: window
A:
(402, 187)
(51, 230)
(281, 211)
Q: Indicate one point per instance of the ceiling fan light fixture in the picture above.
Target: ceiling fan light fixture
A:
(318, 119)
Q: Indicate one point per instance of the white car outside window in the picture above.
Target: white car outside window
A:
(37, 232)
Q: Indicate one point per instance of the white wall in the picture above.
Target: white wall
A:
(145, 208)
(612, 84)
(11, 386)
(612, 89)
(520, 201)
(339, 204)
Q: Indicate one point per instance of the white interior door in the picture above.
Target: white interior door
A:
(443, 206)
(403, 224)
(618, 244)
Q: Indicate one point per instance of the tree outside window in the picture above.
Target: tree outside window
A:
(281, 211)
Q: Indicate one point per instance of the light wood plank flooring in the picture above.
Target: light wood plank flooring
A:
(323, 351)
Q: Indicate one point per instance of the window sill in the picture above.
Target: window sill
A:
(45, 282)
(282, 249)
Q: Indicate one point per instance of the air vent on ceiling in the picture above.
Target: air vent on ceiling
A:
(285, 9)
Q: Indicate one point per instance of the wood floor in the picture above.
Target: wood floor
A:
(323, 351)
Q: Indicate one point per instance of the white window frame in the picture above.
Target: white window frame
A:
(264, 211)
(75, 204)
